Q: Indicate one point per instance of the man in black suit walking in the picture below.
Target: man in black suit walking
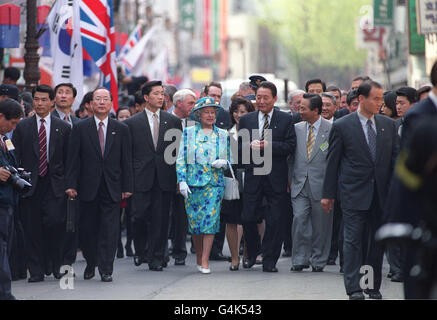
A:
(65, 94)
(154, 177)
(99, 172)
(363, 147)
(41, 143)
(271, 129)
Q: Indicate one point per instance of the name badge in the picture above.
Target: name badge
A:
(324, 146)
(9, 145)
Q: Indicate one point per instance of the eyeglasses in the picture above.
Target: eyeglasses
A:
(99, 99)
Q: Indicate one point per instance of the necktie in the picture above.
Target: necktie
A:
(371, 134)
(42, 137)
(265, 127)
(66, 118)
(311, 141)
(101, 137)
(155, 130)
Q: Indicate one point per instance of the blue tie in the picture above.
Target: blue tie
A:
(371, 134)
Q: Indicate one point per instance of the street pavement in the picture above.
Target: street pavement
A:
(186, 283)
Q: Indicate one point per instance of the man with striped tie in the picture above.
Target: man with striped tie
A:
(272, 136)
(41, 143)
(311, 228)
(363, 147)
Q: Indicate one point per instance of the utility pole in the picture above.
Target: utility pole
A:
(31, 72)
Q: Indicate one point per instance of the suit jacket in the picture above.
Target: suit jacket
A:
(313, 169)
(75, 120)
(194, 160)
(26, 142)
(86, 167)
(148, 162)
(419, 111)
(350, 166)
(283, 145)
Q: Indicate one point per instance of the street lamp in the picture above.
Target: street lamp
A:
(31, 72)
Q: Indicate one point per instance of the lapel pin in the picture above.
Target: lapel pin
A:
(113, 132)
(382, 129)
(165, 122)
(57, 129)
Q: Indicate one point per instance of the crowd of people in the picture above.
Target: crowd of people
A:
(160, 163)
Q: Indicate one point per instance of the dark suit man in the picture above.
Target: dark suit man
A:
(363, 147)
(403, 204)
(41, 143)
(268, 129)
(10, 114)
(154, 177)
(99, 172)
(65, 94)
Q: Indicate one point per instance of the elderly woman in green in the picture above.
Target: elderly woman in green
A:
(203, 156)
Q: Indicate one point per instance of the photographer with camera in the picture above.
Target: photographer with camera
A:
(10, 114)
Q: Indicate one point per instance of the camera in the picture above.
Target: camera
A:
(19, 178)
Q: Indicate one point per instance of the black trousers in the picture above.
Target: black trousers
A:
(6, 234)
(99, 229)
(17, 259)
(179, 227)
(272, 241)
(44, 227)
(337, 234)
(150, 218)
(71, 242)
(359, 225)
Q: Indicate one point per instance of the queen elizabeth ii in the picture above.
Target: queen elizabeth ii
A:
(204, 154)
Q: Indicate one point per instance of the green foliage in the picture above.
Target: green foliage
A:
(318, 32)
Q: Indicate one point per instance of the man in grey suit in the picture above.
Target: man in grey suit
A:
(363, 147)
(312, 228)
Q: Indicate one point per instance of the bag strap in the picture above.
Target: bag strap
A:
(230, 168)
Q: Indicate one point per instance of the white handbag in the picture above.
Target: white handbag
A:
(231, 186)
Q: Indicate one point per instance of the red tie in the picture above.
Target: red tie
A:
(42, 136)
(101, 138)
(3, 143)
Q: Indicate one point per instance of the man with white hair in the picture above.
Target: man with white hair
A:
(184, 100)
(294, 101)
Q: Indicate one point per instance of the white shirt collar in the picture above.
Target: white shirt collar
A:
(316, 124)
(46, 119)
(97, 120)
(62, 114)
(363, 119)
(150, 113)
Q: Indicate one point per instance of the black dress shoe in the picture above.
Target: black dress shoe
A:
(59, 275)
(106, 277)
(331, 263)
(299, 267)
(120, 254)
(89, 273)
(270, 269)
(35, 279)
(179, 262)
(155, 267)
(357, 296)
(234, 268)
(249, 263)
(397, 277)
(341, 270)
(138, 260)
(193, 250)
(389, 275)
(317, 269)
(376, 295)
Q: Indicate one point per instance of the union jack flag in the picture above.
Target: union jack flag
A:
(98, 39)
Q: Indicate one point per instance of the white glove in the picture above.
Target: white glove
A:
(184, 189)
(220, 163)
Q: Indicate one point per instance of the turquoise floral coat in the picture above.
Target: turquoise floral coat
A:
(196, 154)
